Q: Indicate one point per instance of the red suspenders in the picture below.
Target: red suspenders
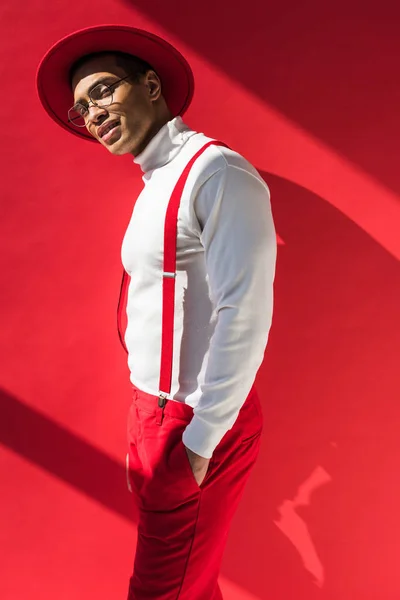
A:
(169, 275)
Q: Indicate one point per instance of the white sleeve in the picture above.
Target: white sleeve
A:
(238, 235)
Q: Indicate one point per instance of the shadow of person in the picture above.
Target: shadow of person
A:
(319, 517)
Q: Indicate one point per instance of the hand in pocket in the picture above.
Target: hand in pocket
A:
(199, 465)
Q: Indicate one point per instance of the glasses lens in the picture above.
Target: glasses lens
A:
(77, 115)
(101, 94)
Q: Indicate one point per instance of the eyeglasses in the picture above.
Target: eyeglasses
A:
(101, 95)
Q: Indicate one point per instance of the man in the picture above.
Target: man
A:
(200, 249)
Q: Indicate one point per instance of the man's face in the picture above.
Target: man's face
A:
(132, 110)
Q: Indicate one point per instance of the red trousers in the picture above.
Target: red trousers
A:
(183, 527)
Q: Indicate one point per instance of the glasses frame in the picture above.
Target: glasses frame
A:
(96, 103)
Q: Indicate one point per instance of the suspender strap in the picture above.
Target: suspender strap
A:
(169, 277)
(121, 304)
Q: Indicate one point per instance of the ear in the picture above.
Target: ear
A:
(153, 85)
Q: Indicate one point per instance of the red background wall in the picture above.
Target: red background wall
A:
(309, 92)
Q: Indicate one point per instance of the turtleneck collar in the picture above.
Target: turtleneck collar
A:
(164, 146)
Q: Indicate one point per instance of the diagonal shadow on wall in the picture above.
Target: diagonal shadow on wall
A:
(48, 445)
(329, 67)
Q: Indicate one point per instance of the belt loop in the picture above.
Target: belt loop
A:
(162, 401)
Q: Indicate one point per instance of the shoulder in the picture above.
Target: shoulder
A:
(219, 163)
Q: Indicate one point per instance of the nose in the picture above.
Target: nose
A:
(96, 114)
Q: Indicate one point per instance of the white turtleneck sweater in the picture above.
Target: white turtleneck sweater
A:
(226, 253)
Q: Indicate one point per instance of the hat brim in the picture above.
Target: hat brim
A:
(52, 78)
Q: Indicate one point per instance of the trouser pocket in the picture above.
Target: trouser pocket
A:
(158, 467)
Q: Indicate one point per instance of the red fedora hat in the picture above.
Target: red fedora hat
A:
(52, 78)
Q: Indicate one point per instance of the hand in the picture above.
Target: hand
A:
(199, 465)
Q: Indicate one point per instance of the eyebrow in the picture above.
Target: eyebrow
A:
(99, 80)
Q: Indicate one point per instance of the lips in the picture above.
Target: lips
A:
(107, 127)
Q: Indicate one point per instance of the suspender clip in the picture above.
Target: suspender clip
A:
(162, 399)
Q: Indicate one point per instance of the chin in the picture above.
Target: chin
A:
(118, 150)
(123, 146)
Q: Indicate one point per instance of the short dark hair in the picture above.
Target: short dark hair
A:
(130, 63)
